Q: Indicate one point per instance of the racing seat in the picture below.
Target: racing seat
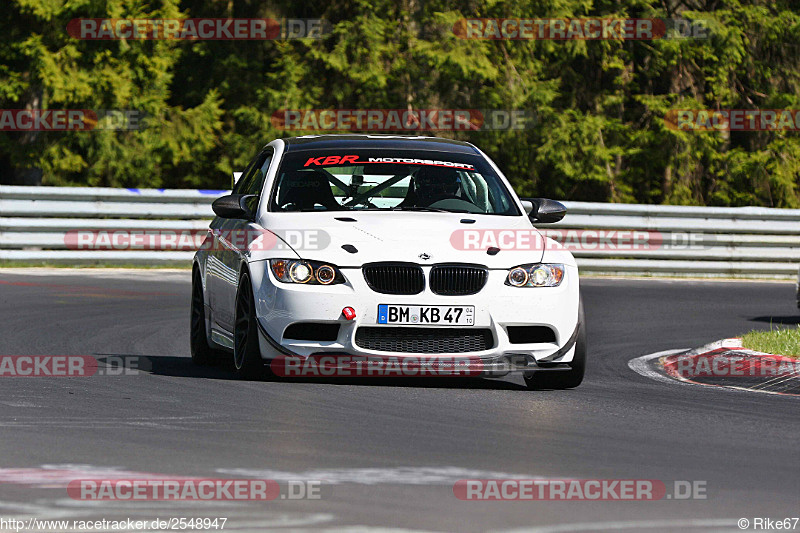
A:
(305, 189)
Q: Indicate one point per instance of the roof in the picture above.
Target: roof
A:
(400, 142)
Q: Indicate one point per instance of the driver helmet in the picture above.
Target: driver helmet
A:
(431, 183)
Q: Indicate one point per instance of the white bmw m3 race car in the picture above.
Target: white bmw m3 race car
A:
(377, 245)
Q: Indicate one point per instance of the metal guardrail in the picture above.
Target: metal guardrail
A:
(740, 242)
(34, 221)
(626, 239)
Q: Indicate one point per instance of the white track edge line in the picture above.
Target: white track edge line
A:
(641, 367)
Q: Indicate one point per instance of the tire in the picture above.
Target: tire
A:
(202, 353)
(246, 350)
(563, 379)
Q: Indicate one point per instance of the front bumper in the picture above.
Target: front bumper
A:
(497, 306)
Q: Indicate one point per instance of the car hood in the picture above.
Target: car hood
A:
(405, 237)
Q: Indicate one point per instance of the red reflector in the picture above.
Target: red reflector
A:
(349, 313)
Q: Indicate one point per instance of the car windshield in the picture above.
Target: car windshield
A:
(390, 180)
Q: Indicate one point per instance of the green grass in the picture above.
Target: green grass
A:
(778, 341)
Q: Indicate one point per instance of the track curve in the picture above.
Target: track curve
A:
(390, 452)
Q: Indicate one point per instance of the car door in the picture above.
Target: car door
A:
(215, 269)
(234, 235)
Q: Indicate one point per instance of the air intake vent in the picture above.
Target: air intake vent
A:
(457, 280)
(312, 331)
(424, 340)
(394, 278)
(530, 334)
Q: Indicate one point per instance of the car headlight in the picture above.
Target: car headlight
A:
(538, 275)
(308, 272)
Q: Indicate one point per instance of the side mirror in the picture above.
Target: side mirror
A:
(233, 206)
(546, 211)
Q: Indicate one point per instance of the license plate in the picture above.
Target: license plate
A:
(443, 315)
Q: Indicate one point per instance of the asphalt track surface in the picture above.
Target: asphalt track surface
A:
(390, 451)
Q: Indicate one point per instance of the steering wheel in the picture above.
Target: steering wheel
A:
(294, 206)
(365, 202)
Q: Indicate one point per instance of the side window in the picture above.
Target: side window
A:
(252, 179)
(256, 183)
(239, 187)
